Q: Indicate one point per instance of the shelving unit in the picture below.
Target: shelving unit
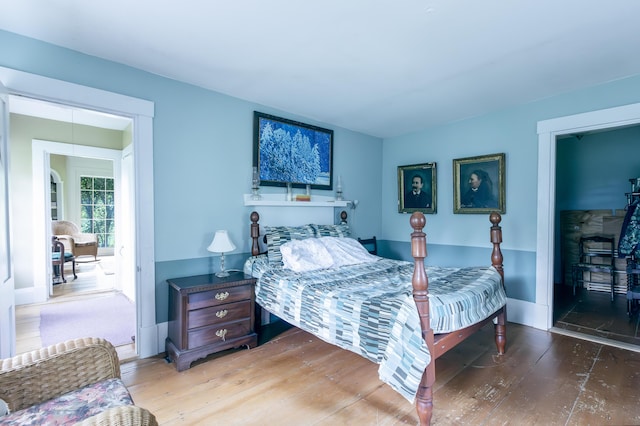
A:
(54, 199)
(56, 196)
(634, 195)
(633, 266)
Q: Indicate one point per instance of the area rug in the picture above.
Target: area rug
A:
(110, 317)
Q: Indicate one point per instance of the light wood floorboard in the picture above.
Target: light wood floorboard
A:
(297, 379)
(95, 279)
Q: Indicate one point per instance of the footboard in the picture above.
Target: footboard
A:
(437, 344)
(441, 343)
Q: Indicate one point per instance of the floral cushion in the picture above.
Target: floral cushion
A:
(73, 407)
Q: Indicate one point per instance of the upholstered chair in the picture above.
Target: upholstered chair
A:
(79, 243)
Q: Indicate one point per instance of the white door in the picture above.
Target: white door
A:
(7, 300)
(125, 251)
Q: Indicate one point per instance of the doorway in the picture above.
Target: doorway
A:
(91, 183)
(141, 113)
(548, 133)
(592, 180)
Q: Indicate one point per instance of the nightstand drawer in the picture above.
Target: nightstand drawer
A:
(219, 297)
(219, 314)
(218, 333)
(209, 314)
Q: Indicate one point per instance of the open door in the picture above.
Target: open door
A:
(125, 251)
(7, 299)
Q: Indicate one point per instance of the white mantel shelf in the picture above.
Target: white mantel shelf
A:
(279, 200)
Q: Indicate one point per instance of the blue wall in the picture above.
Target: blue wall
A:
(513, 132)
(593, 171)
(203, 153)
(202, 156)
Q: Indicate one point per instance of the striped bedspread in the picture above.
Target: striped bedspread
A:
(368, 309)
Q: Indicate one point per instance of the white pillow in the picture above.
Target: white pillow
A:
(305, 255)
(4, 408)
(347, 251)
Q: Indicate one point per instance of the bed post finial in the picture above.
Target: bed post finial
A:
(496, 239)
(420, 282)
(255, 233)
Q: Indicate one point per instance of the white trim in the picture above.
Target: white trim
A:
(40, 154)
(141, 112)
(45, 88)
(526, 313)
(596, 339)
(548, 131)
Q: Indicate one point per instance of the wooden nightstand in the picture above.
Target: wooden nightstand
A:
(208, 314)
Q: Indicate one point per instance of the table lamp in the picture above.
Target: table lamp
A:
(221, 244)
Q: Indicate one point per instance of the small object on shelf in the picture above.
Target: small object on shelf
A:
(289, 191)
(339, 189)
(309, 190)
(255, 185)
(303, 197)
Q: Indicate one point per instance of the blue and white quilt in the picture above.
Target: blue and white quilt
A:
(368, 308)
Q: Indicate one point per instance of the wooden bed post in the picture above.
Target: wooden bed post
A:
(255, 233)
(424, 397)
(420, 284)
(496, 261)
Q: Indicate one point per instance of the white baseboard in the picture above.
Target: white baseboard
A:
(24, 296)
(527, 313)
(163, 333)
(147, 343)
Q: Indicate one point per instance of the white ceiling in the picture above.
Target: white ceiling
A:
(381, 67)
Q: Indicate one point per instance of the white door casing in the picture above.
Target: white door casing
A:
(548, 131)
(7, 298)
(125, 217)
(141, 112)
(41, 151)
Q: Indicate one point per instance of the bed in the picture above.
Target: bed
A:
(319, 279)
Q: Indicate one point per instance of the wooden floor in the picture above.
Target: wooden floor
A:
(94, 280)
(594, 314)
(297, 379)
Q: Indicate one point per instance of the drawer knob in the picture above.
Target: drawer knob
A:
(222, 334)
(221, 314)
(222, 296)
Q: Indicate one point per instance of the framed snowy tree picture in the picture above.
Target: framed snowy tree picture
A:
(286, 151)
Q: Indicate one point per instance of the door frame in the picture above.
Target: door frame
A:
(7, 297)
(41, 151)
(548, 132)
(141, 112)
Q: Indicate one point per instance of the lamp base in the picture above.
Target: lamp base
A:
(222, 274)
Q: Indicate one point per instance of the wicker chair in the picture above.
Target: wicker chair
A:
(48, 373)
(79, 243)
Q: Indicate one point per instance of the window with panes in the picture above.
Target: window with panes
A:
(97, 209)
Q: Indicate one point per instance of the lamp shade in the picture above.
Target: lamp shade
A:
(221, 243)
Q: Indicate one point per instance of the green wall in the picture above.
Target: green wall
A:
(23, 129)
